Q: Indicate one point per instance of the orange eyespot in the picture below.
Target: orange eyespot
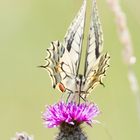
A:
(61, 87)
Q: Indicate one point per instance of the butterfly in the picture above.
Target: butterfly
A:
(63, 59)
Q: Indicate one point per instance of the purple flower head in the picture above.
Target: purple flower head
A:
(70, 113)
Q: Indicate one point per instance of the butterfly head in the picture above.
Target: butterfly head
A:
(80, 80)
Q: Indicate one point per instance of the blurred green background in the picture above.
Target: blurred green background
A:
(26, 29)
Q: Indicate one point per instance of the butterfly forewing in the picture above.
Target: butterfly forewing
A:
(95, 40)
(96, 63)
(74, 38)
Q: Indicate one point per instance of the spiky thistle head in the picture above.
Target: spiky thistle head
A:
(69, 117)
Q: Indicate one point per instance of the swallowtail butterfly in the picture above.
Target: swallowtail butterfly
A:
(63, 58)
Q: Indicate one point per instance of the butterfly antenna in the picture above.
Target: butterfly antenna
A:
(68, 97)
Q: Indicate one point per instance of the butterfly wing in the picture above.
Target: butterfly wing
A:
(74, 38)
(73, 44)
(95, 40)
(64, 58)
(96, 63)
(53, 66)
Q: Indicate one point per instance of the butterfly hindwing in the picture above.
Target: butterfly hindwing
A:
(53, 66)
(96, 75)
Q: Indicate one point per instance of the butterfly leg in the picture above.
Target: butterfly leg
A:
(79, 99)
(61, 98)
(67, 100)
(70, 96)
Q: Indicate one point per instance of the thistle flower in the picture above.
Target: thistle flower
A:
(22, 136)
(69, 117)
